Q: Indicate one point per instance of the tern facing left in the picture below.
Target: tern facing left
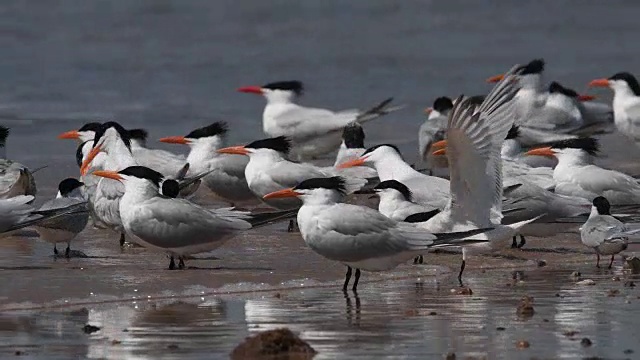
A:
(626, 103)
(357, 236)
(313, 131)
(176, 226)
(603, 232)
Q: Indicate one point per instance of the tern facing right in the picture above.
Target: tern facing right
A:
(358, 236)
(603, 232)
(64, 228)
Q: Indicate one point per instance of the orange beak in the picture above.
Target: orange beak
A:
(585, 98)
(282, 194)
(439, 152)
(175, 140)
(235, 150)
(545, 151)
(352, 163)
(428, 110)
(599, 83)
(87, 162)
(495, 79)
(108, 174)
(439, 144)
(73, 134)
(251, 90)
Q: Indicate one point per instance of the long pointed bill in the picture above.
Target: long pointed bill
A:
(545, 151)
(108, 174)
(439, 144)
(251, 90)
(282, 194)
(599, 83)
(585, 98)
(235, 150)
(352, 163)
(440, 152)
(73, 134)
(87, 162)
(428, 110)
(495, 79)
(175, 140)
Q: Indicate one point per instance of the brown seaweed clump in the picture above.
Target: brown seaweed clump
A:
(525, 307)
(280, 343)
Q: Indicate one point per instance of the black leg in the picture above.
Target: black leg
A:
(461, 271)
(420, 259)
(172, 263)
(55, 250)
(514, 243)
(181, 263)
(121, 239)
(522, 241)
(598, 260)
(67, 252)
(355, 282)
(347, 277)
(611, 262)
(291, 226)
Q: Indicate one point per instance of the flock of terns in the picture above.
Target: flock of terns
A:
(517, 162)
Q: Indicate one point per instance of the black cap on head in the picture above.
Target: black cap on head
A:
(630, 79)
(66, 186)
(4, 133)
(124, 134)
(534, 67)
(373, 148)
(92, 126)
(353, 136)
(143, 172)
(555, 87)
(332, 183)
(280, 144)
(602, 205)
(394, 184)
(79, 153)
(588, 144)
(513, 133)
(292, 85)
(170, 188)
(217, 128)
(442, 104)
(138, 134)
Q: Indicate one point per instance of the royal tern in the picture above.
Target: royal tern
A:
(313, 131)
(512, 152)
(15, 178)
(430, 191)
(357, 236)
(576, 175)
(545, 113)
(175, 226)
(474, 142)
(626, 102)
(269, 170)
(64, 228)
(396, 201)
(226, 172)
(603, 232)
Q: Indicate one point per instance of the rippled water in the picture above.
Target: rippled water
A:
(172, 66)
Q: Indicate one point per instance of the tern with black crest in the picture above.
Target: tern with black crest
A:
(313, 131)
(626, 102)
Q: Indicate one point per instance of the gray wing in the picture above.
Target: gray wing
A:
(71, 222)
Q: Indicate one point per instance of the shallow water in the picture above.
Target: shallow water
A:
(172, 66)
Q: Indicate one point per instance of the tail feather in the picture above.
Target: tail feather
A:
(458, 237)
(261, 219)
(377, 111)
(79, 208)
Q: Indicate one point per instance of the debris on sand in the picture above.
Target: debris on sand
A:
(462, 291)
(450, 356)
(571, 333)
(586, 282)
(586, 342)
(410, 312)
(634, 264)
(525, 307)
(616, 278)
(273, 343)
(90, 329)
(629, 284)
(541, 263)
(522, 344)
(613, 292)
(576, 275)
